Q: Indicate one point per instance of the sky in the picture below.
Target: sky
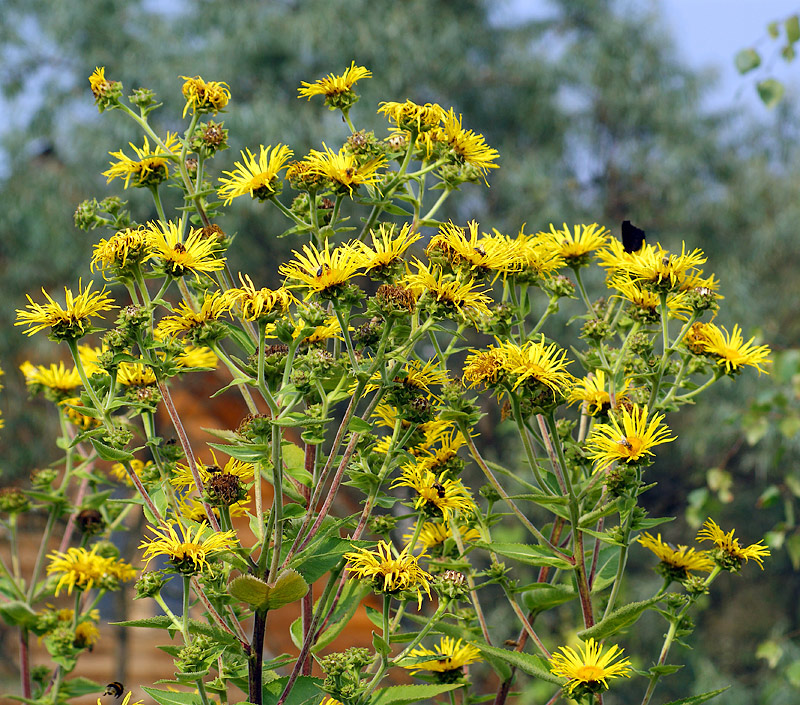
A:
(709, 33)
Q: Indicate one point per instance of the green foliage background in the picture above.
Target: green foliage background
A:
(595, 118)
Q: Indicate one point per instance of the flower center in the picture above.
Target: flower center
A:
(589, 673)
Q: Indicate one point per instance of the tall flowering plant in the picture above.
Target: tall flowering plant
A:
(368, 371)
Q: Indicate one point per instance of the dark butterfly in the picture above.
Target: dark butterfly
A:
(632, 237)
(116, 689)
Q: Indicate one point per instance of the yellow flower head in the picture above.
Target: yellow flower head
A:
(484, 367)
(70, 321)
(125, 249)
(537, 364)
(469, 147)
(86, 635)
(389, 571)
(135, 374)
(647, 303)
(588, 669)
(106, 93)
(82, 569)
(194, 356)
(478, 255)
(324, 271)
(435, 533)
(204, 96)
(139, 467)
(259, 304)
(189, 321)
(195, 254)
(677, 562)
(729, 553)
(183, 479)
(386, 253)
(575, 245)
(343, 169)
(729, 349)
(188, 553)
(450, 655)
(338, 90)
(591, 391)
(455, 294)
(655, 267)
(539, 259)
(150, 166)
(56, 377)
(411, 117)
(258, 177)
(436, 496)
(629, 442)
(416, 377)
(125, 701)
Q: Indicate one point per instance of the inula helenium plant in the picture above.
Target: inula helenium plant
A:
(393, 343)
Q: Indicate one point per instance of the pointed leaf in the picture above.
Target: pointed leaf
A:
(168, 697)
(525, 553)
(532, 665)
(792, 25)
(543, 596)
(406, 694)
(619, 619)
(697, 699)
(770, 91)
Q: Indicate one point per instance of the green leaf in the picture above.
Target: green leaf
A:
(664, 670)
(405, 694)
(17, 613)
(249, 589)
(543, 596)
(529, 554)
(106, 452)
(358, 425)
(619, 619)
(774, 30)
(380, 644)
(168, 697)
(770, 91)
(792, 26)
(527, 663)
(80, 686)
(352, 595)
(246, 452)
(306, 689)
(747, 60)
(697, 699)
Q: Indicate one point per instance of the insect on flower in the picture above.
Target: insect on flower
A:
(115, 688)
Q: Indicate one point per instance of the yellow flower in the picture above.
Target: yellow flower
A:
(591, 391)
(647, 303)
(150, 166)
(469, 147)
(629, 442)
(412, 117)
(188, 554)
(483, 367)
(56, 377)
(82, 421)
(84, 569)
(70, 321)
(139, 467)
(204, 96)
(677, 561)
(730, 553)
(258, 304)
(124, 249)
(575, 245)
(187, 320)
(98, 83)
(588, 669)
(343, 169)
(730, 350)
(416, 377)
(433, 534)
(437, 496)
(538, 258)
(477, 255)
(258, 177)
(194, 356)
(196, 254)
(336, 89)
(387, 249)
(655, 267)
(457, 294)
(324, 271)
(389, 571)
(450, 655)
(135, 374)
(183, 479)
(86, 635)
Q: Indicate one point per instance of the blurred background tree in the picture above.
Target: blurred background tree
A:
(596, 119)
